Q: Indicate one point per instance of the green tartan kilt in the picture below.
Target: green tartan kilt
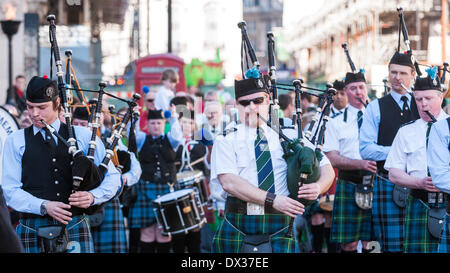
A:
(349, 222)
(418, 239)
(228, 239)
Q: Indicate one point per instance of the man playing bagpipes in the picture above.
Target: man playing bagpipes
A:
(407, 166)
(351, 218)
(38, 177)
(382, 119)
(248, 162)
(438, 157)
(381, 122)
(157, 153)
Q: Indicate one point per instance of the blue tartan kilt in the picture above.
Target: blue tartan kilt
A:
(110, 236)
(80, 238)
(418, 239)
(349, 222)
(228, 239)
(444, 241)
(388, 218)
(141, 214)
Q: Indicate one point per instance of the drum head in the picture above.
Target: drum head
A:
(189, 176)
(171, 196)
(8, 124)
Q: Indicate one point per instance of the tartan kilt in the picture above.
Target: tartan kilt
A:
(349, 222)
(141, 214)
(80, 238)
(388, 218)
(229, 240)
(444, 241)
(417, 237)
(110, 236)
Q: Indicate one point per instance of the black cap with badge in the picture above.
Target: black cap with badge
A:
(430, 82)
(41, 89)
(354, 77)
(406, 59)
(253, 83)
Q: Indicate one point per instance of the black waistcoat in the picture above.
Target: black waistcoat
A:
(157, 160)
(197, 151)
(391, 119)
(46, 174)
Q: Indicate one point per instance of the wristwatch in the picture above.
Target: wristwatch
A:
(43, 209)
(268, 203)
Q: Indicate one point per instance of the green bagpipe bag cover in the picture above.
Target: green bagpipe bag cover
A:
(301, 159)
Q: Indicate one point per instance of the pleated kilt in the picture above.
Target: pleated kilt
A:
(444, 241)
(110, 236)
(349, 223)
(80, 238)
(228, 239)
(389, 219)
(417, 237)
(141, 214)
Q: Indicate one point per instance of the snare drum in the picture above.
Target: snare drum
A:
(179, 212)
(194, 180)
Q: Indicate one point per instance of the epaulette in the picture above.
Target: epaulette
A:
(230, 130)
(409, 122)
(287, 127)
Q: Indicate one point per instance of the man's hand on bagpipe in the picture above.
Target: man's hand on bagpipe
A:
(59, 211)
(288, 206)
(81, 199)
(309, 191)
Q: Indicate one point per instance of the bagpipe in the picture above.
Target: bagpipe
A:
(302, 162)
(86, 175)
(402, 29)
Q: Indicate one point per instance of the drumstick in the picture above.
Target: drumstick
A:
(193, 163)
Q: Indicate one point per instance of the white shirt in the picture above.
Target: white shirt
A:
(163, 97)
(408, 151)
(343, 136)
(438, 155)
(235, 154)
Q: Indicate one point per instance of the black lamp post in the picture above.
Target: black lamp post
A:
(10, 27)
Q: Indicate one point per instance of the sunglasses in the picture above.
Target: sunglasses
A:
(150, 100)
(255, 101)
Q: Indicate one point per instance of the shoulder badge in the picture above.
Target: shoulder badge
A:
(230, 130)
(409, 122)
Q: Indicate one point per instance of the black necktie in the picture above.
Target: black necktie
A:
(405, 109)
(49, 139)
